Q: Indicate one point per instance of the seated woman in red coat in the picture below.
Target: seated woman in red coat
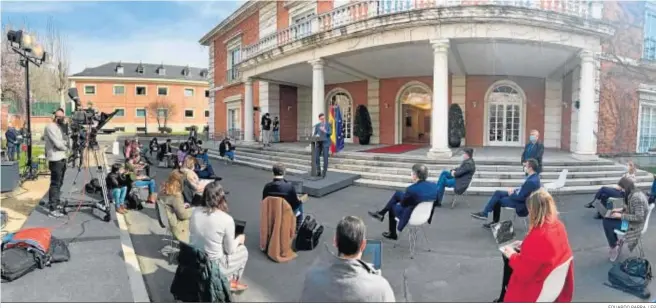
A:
(545, 247)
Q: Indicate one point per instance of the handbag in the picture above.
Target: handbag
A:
(308, 234)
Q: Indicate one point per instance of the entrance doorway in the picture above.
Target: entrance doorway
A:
(343, 99)
(505, 115)
(414, 113)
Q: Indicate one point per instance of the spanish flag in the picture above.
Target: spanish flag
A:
(333, 136)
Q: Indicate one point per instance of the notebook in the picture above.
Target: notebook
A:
(240, 226)
(504, 235)
(603, 211)
(373, 253)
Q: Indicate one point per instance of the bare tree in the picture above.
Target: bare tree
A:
(55, 44)
(13, 75)
(162, 109)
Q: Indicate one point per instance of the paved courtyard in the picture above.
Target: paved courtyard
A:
(463, 266)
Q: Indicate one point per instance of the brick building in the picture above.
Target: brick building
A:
(132, 87)
(580, 72)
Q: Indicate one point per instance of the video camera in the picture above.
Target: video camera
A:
(84, 126)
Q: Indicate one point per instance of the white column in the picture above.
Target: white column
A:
(318, 89)
(248, 110)
(440, 108)
(585, 148)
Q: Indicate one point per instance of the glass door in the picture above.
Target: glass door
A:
(504, 117)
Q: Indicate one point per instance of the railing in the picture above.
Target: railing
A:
(650, 50)
(369, 9)
(232, 75)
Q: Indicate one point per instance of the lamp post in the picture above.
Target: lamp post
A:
(24, 45)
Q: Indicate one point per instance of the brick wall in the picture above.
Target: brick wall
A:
(389, 89)
(248, 30)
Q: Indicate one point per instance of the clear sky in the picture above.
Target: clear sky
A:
(128, 31)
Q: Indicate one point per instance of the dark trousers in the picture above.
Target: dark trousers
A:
(652, 195)
(392, 207)
(494, 205)
(206, 173)
(322, 151)
(507, 272)
(610, 225)
(445, 180)
(604, 193)
(57, 171)
(11, 151)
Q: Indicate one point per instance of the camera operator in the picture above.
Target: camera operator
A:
(56, 154)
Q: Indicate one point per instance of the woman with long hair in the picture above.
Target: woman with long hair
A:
(614, 191)
(188, 166)
(177, 212)
(212, 230)
(629, 219)
(544, 248)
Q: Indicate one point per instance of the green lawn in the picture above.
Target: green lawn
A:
(650, 169)
(36, 151)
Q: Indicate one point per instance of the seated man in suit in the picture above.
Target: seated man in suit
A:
(534, 149)
(279, 187)
(513, 198)
(402, 204)
(458, 178)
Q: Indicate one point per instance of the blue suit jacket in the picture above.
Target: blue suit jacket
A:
(416, 193)
(325, 137)
(518, 198)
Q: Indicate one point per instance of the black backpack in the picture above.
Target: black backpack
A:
(133, 200)
(632, 276)
(308, 234)
(19, 261)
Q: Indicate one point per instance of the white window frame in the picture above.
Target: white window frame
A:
(114, 89)
(193, 92)
(161, 71)
(139, 86)
(163, 87)
(95, 89)
(233, 102)
(193, 113)
(301, 16)
(136, 113)
(120, 116)
(644, 100)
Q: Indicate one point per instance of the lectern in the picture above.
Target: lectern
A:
(314, 144)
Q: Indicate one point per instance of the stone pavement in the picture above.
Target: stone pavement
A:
(96, 271)
(464, 265)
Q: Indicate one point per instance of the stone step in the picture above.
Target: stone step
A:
(477, 182)
(305, 158)
(412, 158)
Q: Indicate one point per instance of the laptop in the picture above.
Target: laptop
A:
(373, 253)
(603, 211)
(504, 234)
(240, 226)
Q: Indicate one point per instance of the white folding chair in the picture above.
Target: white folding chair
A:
(515, 217)
(621, 234)
(553, 285)
(460, 197)
(418, 219)
(164, 223)
(554, 187)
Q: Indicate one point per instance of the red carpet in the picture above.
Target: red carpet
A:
(396, 149)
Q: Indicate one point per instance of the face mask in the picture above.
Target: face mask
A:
(533, 139)
(60, 120)
(464, 157)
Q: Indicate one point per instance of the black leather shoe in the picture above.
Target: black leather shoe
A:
(598, 216)
(589, 205)
(390, 236)
(479, 215)
(488, 225)
(376, 215)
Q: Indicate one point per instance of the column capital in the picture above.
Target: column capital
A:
(317, 63)
(440, 45)
(586, 56)
(248, 82)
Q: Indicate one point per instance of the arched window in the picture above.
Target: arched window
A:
(505, 115)
(343, 100)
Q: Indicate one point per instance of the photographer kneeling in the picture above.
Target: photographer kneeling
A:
(132, 167)
(56, 154)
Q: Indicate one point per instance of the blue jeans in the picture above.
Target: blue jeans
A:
(206, 173)
(118, 195)
(203, 157)
(299, 216)
(230, 155)
(604, 193)
(276, 135)
(147, 183)
(445, 180)
(610, 225)
(11, 151)
(652, 195)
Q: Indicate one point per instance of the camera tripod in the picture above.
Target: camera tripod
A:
(100, 174)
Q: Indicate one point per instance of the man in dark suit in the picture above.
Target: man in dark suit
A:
(458, 178)
(513, 198)
(402, 204)
(279, 187)
(323, 130)
(534, 149)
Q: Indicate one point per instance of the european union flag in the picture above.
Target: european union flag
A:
(339, 125)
